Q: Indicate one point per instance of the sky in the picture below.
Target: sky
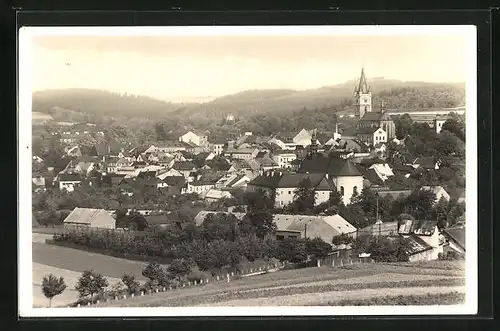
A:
(198, 68)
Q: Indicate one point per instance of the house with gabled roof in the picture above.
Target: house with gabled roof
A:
(89, 218)
(439, 191)
(68, 181)
(306, 226)
(425, 239)
(285, 184)
(199, 139)
(344, 174)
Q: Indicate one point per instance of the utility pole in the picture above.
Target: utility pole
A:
(376, 194)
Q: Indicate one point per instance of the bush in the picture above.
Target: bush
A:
(132, 285)
(196, 275)
(179, 268)
(384, 249)
(156, 274)
(117, 289)
(90, 284)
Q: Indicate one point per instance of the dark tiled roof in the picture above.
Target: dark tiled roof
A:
(174, 180)
(183, 165)
(88, 151)
(69, 177)
(373, 116)
(156, 219)
(417, 245)
(420, 227)
(369, 130)
(428, 162)
(292, 180)
(457, 234)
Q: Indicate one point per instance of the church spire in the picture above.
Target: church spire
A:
(362, 87)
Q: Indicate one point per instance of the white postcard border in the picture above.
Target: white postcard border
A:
(25, 155)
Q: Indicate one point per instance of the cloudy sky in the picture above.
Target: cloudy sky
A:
(192, 68)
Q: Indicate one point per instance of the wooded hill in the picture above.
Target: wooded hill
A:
(396, 95)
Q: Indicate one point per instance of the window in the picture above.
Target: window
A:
(355, 190)
(278, 237)
(289, 192)
(342, 190)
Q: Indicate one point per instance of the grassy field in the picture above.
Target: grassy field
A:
(79, 261)
(316, 286)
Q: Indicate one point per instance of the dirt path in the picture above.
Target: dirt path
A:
(318, 298)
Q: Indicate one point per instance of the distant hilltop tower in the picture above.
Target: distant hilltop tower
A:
(363, 96)
(229, 118)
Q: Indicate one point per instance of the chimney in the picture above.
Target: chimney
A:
(336, 127)
(326, 175)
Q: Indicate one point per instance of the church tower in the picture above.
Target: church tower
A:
(363, 96)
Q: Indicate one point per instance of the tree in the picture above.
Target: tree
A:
(131, 284)
(440, 213)
(304, 198)
(343, 238)
(52, 286)
(91, 283)
(156, 275)
(455, 126)
(317, 248)
(291, 249)
(262, 222)
(403, 124)
(161, 135)
(179, 268)
(419, 203)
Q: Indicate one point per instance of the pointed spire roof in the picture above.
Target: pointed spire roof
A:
(363, 85)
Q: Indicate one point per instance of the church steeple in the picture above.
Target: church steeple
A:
(363, 96)
(362, 87)
(313, 148)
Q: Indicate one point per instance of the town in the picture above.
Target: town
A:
(390, 188)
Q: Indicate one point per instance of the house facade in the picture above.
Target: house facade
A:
(284, 158)
(193, 138)
(371, 135)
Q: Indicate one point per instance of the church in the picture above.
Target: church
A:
(368, 118)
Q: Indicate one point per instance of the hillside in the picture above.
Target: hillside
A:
(396, 94)
(102, 103)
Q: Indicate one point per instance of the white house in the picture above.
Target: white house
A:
(303, 138)
(284, 158)
(426, 241)
(193, 138)
(371, 135)
(69, 181)
(284, 185)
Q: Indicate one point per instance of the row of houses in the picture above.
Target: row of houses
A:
(425, 240)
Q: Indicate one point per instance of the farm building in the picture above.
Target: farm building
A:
(90, 218)
(304, 226)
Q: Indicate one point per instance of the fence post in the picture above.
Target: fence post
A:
(341, 263)
(251, 270)
(318, 262)
(124, 296)
(164, 289)
(206, 281)
(116, 298)
(232, 273)
(333, 262)
(201, 281)
(97, 302)
(156, 290)
(228, 278)
(142, 293)
(132, 295)
(170, 288)
(217, 277)
(359, 261)
(107, 299)
(88, 303)
(350, 261)
(189, 283)
(78, 305)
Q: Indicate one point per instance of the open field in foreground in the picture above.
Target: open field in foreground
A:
(79, 261)
(315, 286)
